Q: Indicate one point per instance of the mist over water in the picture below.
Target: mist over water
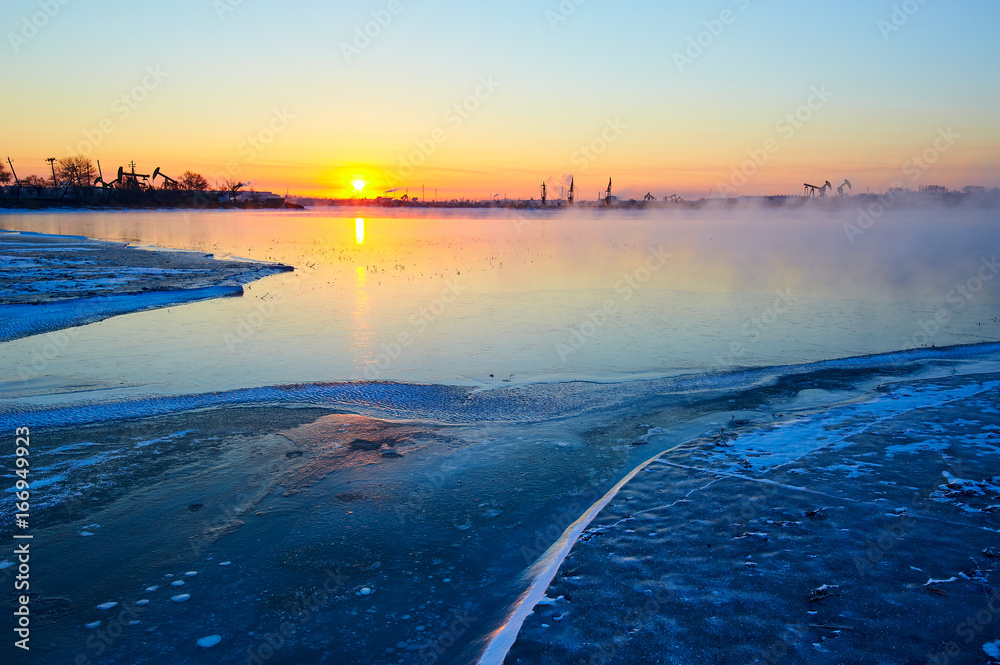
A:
(453, 297)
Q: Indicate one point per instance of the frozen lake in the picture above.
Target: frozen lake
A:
(389, 449)
(455, 297)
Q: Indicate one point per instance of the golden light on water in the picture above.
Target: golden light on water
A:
(359, 230)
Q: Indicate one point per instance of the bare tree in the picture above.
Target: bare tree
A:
(37, 182)
(5, 176)
(193, 182)
(233, 186)
(75, 171)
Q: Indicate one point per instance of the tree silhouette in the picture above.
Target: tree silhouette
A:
(75, 171)
(37, 182)
(5, 176)
(193, 182)
(233, 186)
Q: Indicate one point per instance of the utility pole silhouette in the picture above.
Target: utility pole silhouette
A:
(52, 163)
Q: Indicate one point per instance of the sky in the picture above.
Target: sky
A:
(738, 97)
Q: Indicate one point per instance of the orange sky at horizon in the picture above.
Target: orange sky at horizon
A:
(461, 171)
(275, 101)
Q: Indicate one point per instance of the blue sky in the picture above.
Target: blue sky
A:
(229, 65)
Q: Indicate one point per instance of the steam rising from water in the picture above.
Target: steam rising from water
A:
(485, 296)
(906, 255)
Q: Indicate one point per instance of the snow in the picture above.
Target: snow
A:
(210, 641)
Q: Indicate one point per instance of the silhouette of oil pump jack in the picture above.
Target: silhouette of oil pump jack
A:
(813, 190)
(166, 178)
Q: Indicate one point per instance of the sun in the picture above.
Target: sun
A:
(359, 184)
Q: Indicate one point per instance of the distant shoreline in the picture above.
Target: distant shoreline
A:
(43, 203)
(988, 199)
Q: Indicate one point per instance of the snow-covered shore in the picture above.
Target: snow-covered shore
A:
(50, 282)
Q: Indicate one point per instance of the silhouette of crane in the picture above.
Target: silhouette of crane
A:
(649, 197)
(607, 195)
(847, 183)
(571, 190)
(813, 190)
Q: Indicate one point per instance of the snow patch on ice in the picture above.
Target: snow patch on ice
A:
(791, 441)
(210, 641)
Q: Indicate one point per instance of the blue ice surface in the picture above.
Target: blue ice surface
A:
(38, 234)
(18, 321)
(457, 404)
